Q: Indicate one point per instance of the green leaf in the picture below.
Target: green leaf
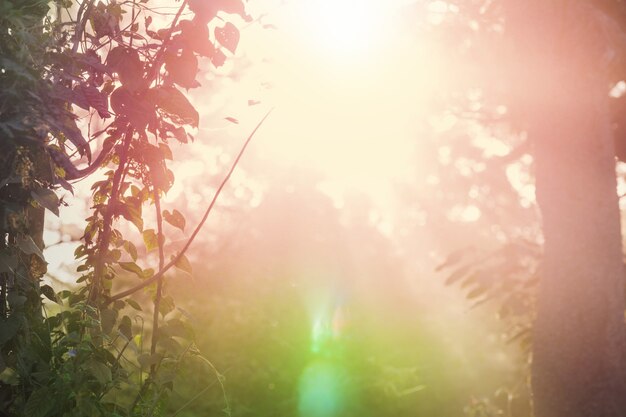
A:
(131, 249)
(39, 403)
(183, 264)
(166, 305)
(150, 239)
(131, 267)
(175, 218)
(99, 370)
(47, 199)
(126, 327)
(107, 320)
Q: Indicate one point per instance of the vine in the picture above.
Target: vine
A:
(106, 60)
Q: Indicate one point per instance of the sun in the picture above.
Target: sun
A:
(343, 26)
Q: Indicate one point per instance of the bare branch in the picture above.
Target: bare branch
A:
(174, 260)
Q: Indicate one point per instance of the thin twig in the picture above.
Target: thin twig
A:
(180, 254)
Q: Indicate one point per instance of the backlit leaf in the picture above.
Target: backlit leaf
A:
(183, 264)
(150, 239)
(131, 267)
(175, 218)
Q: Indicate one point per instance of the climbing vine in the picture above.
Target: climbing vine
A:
(66, 67)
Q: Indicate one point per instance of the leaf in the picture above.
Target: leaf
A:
(131, 267)
(49, 293)
(134, 304)
(150, 239)
(458, 274)
(218, 59)
(94, 98)
(128, 65)
(175, 104)
(195, 35)
(228, 36)
(39, 403)
(166, 151)
(108, 317)
(139, 108)
(183, 69)
(183, 264)
(175, 218)
(131, 211)
(99, 370)
(453, 258)
(28, 246)
(131, 249)
(232, 120)
(476, 292)
(166, 305)
(47, 199)
(67, 126)
(126, 327)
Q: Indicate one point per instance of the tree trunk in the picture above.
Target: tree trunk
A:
(579, 340)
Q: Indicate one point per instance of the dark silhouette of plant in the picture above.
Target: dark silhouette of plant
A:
(62, 72)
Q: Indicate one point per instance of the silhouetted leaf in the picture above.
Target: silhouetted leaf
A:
(47, 199)
(126, 327)
(175, 218)
(218, 59)
(49, 293)
(228, 36)
(183, 69)
(126, 62)
(175, 104)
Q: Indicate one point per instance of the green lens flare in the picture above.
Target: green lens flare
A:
(321, 390)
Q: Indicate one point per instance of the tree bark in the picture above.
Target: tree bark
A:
(579, 339)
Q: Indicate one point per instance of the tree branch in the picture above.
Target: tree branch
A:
(173, 262)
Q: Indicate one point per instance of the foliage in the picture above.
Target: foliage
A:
(110, 64)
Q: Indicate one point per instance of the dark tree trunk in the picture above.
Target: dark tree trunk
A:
(579, 340)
